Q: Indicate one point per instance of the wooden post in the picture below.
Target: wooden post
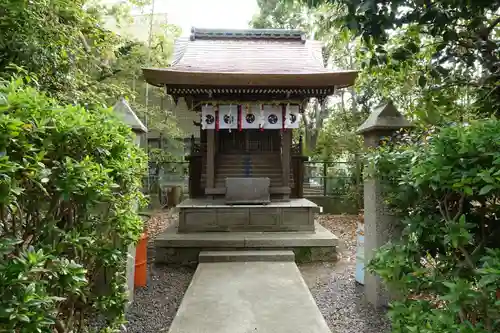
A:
(286, 143)
(324, 177)
(192, 143)
(300, 177)
(210, 158)
(298, 171)
(247, 141)
(216, 143)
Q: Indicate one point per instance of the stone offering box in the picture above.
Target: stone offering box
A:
(247, 191)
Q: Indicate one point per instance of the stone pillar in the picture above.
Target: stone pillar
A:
(128, 116)
(379, 223)
(210, 172)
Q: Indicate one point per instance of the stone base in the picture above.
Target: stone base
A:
(172, 247)
(209, 215)
(246, 256)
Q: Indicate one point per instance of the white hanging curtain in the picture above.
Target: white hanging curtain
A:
(292, 118)
(228, 117)
(207, 117)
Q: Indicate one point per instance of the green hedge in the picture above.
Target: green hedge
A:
(70, 181)
(445, 269)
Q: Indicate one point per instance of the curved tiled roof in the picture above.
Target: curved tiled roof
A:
(263, 52)
(247, 56)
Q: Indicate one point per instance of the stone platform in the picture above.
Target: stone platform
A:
(213, 215)
(173, 247)
(247, 297)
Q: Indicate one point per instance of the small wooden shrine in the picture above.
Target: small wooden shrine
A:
(249, 87)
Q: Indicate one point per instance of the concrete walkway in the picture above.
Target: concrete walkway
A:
(248, 297)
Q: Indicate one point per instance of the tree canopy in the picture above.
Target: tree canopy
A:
(461, 37)
(437, 64)
(66, 49)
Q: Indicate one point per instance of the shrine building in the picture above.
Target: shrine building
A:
(249, 88)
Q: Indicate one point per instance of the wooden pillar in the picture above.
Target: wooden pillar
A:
(210, 173)
(216, 143)
(286, 143)
(247, 141)
(300, 176)
(299, 181)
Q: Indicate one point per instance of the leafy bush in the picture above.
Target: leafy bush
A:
(70, 182)
(445, 186)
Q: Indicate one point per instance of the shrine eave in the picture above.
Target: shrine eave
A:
(326, 79)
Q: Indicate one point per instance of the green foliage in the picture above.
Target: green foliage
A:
(126, 71)
(338, 136)
(460, 41)
(63, 44)
(65, 48)
(345, 180)
(444, 184)
(70, 181)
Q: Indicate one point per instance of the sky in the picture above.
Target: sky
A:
(207, 13)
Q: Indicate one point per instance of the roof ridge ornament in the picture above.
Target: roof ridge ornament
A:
(276, 34)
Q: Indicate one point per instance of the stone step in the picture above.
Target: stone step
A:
(222, 178)
(257, 172)
(250, 155)
(225, 175)
(243, 175)
(254, 170)
(242, 159)
(256, 167)
(222, 181)
(252, 165)
(246, 256)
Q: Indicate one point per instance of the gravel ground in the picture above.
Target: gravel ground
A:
(332, 285)
(154, 306)
(338, 296)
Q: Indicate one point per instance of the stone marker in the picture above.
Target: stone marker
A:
(247, 190)
(379, 222)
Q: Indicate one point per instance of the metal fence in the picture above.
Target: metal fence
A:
(339, 179)
(165, 176)
(336, 179)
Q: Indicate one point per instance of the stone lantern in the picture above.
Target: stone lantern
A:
(379, 222)
(124, 112)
